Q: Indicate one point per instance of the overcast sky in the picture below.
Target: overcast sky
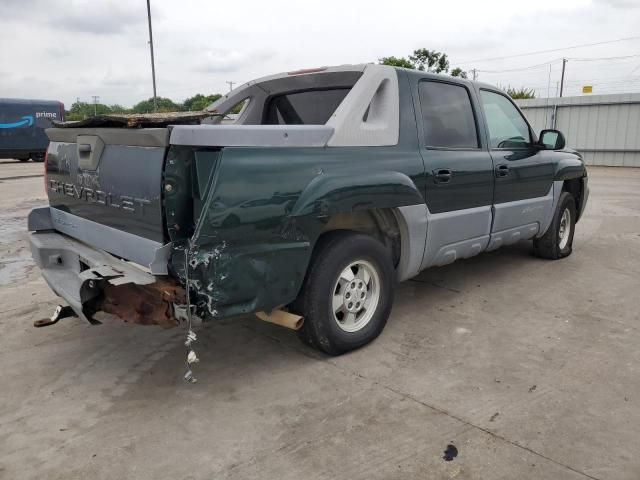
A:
(63, 49)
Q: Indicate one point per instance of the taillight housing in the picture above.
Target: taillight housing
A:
(304, 71)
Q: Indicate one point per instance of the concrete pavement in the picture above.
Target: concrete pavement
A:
(528, 367)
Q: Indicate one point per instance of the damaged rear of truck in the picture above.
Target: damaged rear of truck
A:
(328, 187)
(234, 209)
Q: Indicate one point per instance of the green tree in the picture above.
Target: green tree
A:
(430, 60)
(82, 110)
(520, 93)
(458, 72)
(396, 62)
(164, 105)
(424, 59)
(116, 108)
(199, 102)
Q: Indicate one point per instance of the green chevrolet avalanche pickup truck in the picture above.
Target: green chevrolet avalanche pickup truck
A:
(329, 187)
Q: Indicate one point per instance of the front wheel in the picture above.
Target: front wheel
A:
(557, 242)
(348, 293)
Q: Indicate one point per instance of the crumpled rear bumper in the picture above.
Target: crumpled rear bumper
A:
(92, 280)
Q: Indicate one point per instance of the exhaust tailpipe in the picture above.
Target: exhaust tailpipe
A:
(282, 318)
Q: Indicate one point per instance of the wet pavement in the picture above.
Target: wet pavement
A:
(21, 187)
(503, 366)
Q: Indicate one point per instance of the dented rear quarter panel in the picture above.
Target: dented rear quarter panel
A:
(266, 207)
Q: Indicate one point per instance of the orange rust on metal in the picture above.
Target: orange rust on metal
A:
(144, 304)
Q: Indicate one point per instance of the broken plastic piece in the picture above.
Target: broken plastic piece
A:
(192, 357)
(58, 314)
(191, 337)
(189, 377)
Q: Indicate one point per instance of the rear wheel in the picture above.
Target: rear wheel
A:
(37, 157)
(348, 293)
(557, 242)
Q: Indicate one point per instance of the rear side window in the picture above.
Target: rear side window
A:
(447, 116)
(311, 107)
(507, 127)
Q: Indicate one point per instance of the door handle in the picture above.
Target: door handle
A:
(442, 175)
(502, 170)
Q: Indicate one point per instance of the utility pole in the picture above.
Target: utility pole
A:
(153, 64)
(564, 63)
(231, 84)
(554, 115)
(95, 104)
(474, 73)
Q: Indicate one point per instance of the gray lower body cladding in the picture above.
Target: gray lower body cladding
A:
(438, 239)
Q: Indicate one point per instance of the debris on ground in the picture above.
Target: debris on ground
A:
(450, 453)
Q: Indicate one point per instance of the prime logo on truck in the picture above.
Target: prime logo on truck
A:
(22, 127)
(330, 186)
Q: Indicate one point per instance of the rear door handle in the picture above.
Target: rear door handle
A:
(502, 170)
(442, 175)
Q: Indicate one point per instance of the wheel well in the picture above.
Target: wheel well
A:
(378, 223)
(574, 187)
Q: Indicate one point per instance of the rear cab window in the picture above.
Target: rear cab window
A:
(310, 107)
(447, 116)
(507, 127)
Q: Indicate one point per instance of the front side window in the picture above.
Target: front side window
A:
(507, 127)
(447, 116)
(311, 107)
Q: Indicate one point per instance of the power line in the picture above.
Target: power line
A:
(603, 58)
(549, 51)
(522, 68)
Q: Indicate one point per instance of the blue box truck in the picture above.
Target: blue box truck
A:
(22, 125)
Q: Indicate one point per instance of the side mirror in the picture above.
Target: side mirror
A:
(552, 139)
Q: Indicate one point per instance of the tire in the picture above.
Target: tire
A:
(23, 159)
(37, 158)
(333, 328)
(557, 242)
